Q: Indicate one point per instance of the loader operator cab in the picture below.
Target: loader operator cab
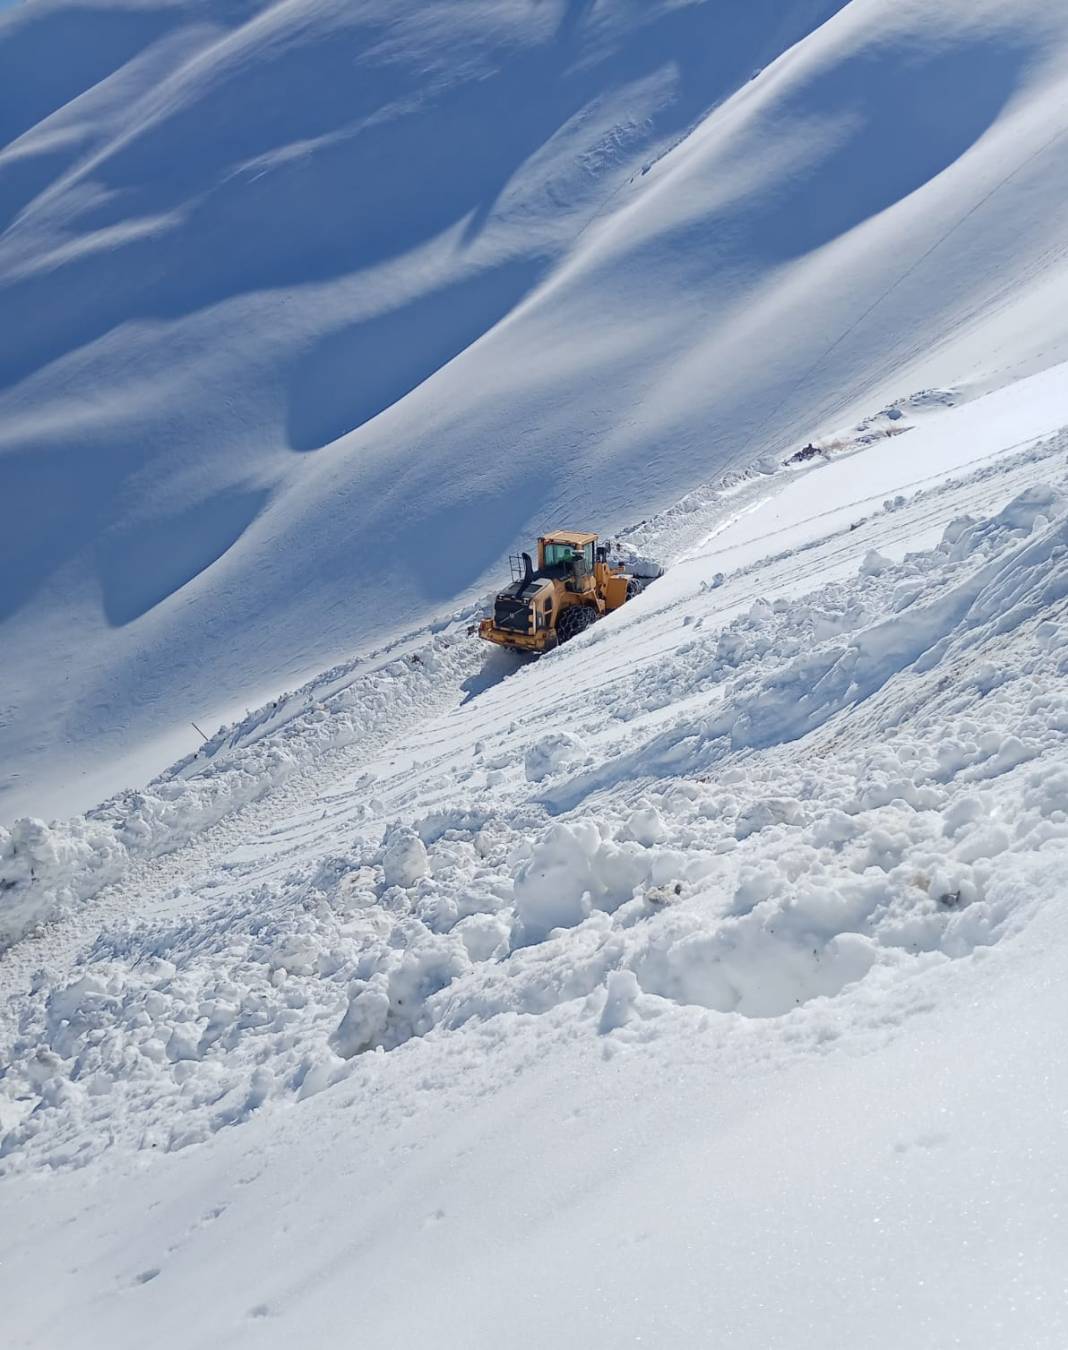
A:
(568, 554)
(564, 557)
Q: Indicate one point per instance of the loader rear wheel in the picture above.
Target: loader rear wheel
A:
(635, 586)
(573, 620)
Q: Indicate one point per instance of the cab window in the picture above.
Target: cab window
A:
(568, 553)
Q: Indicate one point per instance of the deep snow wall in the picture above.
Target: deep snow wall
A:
(315, 311)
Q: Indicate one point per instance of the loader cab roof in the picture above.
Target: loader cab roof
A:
(576, 538)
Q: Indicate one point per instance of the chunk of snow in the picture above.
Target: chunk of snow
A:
(550, 754)
(404, 859)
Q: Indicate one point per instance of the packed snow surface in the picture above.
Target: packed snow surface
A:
(701, 983)
(694, 982)
(315, 310)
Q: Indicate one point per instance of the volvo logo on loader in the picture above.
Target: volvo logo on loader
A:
(573, 584)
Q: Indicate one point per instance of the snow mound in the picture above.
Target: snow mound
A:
(550, 754)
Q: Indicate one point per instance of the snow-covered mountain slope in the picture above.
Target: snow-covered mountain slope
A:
(313, 310)
(699, 982)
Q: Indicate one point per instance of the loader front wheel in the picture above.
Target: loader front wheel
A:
(574, 620)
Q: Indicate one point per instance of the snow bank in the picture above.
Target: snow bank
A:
(45, 869)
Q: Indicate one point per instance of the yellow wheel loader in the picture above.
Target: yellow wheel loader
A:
(572, 586)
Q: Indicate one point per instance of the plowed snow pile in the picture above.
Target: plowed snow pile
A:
(639, 863)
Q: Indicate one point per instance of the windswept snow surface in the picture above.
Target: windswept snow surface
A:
(314, 310)
(701, 983)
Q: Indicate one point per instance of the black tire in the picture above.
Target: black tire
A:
(635, 586)
(574, 620)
